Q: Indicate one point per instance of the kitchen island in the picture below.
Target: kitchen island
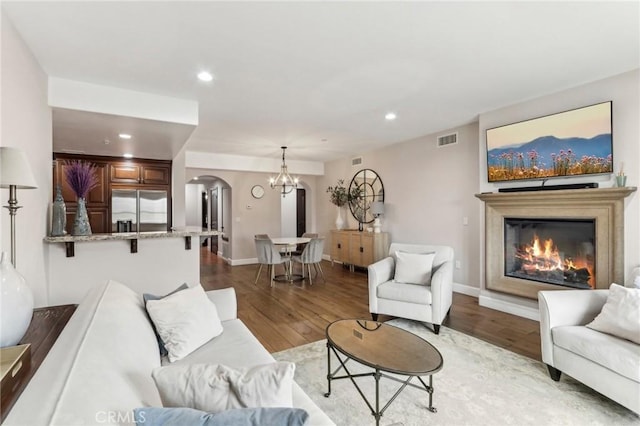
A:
(148, 262)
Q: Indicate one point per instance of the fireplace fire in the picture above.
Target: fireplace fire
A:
(556, 251)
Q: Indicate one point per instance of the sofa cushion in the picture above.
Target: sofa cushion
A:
(618, 355)
(185, 321)
(215, 388)
(413, 268)
(155, 416)
(237, 347)
(620, 315)
(146, 297)
(413, 293)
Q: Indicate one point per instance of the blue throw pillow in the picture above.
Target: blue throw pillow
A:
(146, 297)
(158, 416)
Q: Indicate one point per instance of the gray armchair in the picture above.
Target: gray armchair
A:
(429, 303)
(311, 255)
(270, 256)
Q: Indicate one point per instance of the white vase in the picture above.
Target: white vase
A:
(16, 304)
(339, 219)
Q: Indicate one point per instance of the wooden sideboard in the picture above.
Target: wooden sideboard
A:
(356, 248)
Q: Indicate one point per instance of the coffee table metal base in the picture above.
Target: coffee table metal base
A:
(376, 412)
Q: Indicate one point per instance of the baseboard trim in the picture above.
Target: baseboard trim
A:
(509, 307)
(466, 289)
(240, 262)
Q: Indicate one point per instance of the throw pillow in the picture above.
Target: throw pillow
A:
(185, 321)
(215, 388)
(146, 297)
(620, 314)
(155, 416)
(413, 268)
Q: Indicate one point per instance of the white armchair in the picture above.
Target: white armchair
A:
(605, 363)
(429, 303)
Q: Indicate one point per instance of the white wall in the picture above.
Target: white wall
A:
(288, 215)
(193, 206)
(178, 199)
(624, 91)
(96, 262)
(26, 124)
(429, 190)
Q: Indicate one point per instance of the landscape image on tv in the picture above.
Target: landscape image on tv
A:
(570, 143)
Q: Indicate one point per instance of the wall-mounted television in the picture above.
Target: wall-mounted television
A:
(571, 143)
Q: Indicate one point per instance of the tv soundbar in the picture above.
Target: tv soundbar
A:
(551, 187)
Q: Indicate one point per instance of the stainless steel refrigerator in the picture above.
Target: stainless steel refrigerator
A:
(138, 210)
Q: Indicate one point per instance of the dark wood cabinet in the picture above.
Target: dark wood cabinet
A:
(140, 173)
(125, 173)
(113, 173)
(155, 175)
(97, 195)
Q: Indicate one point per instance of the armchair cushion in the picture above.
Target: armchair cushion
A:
(620, 314)
(411, 293)
(413, 268)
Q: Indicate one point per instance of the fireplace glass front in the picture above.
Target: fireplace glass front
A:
(554, 251)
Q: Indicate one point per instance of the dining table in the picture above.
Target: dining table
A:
(289, 244)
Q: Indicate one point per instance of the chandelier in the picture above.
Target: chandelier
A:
(284, 181)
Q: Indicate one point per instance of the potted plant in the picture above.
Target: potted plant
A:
(81, 177)
(340, 196)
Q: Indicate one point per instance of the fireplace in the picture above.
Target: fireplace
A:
(554, 251)
(553, 240)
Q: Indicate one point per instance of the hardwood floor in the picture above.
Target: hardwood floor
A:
(285, 316)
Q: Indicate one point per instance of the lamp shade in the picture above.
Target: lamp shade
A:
(377, 208)
(15, 169)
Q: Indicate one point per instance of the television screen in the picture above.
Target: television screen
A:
(571, 143)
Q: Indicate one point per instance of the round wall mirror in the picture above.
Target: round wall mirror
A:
(365, 188)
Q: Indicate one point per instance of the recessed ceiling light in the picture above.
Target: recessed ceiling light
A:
(390, 116)
(205, 76)
(127, 155)
(124, 136)
(195, 178)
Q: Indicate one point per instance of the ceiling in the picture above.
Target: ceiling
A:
(320, 76)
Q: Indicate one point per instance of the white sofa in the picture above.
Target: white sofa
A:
(429, 303)
(99, 369)
(605, 363)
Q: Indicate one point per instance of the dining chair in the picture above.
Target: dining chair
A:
(311, 255)
(300, 247)
(270, 256)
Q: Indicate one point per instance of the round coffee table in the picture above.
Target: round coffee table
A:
(384, 348)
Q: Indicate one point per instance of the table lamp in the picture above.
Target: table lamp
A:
(377, 210)
(16, 301)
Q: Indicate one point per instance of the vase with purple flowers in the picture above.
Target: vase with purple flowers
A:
(81, 177)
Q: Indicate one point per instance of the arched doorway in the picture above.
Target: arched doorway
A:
(208, 205)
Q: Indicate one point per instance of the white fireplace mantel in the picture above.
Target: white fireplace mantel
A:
(604, 205)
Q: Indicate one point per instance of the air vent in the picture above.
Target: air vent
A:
(356, 161)
(448, 139)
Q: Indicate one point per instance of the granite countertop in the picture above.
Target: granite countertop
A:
(189, 231)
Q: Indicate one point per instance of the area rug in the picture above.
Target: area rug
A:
(479, 384)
